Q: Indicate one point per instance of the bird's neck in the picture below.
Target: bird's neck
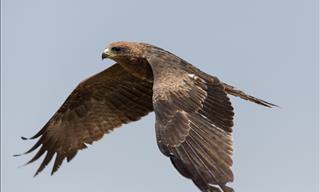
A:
(139, 68)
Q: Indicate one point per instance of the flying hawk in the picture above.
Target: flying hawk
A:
(194, 116)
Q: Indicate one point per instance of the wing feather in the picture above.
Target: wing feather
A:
(97, 106)
(194, 120)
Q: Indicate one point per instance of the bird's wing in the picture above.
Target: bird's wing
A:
(194, 120)
(97, 106)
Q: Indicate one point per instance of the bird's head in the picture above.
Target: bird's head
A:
(119, 51)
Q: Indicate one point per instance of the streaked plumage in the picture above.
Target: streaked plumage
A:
(194, 116)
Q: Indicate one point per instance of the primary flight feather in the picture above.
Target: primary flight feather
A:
(194, 116)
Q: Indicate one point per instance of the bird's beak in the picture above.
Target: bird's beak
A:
(105, 54)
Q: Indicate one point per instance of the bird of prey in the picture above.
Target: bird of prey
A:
(194, 116)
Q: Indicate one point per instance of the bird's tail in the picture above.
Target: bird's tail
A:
(238, 93)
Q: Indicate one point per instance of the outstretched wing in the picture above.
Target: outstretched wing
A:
(194, 118)
(97, 106)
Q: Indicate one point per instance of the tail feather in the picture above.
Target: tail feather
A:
(238, 93)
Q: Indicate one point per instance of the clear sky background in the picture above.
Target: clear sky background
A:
(266, 48)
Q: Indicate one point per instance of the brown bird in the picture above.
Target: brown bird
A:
(194, 116)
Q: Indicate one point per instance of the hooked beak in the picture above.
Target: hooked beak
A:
(105, 54)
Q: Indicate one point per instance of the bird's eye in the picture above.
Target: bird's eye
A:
(116, 49)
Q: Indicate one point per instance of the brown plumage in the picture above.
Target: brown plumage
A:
(194, 116)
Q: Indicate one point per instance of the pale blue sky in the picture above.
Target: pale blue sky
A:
(266, 48)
